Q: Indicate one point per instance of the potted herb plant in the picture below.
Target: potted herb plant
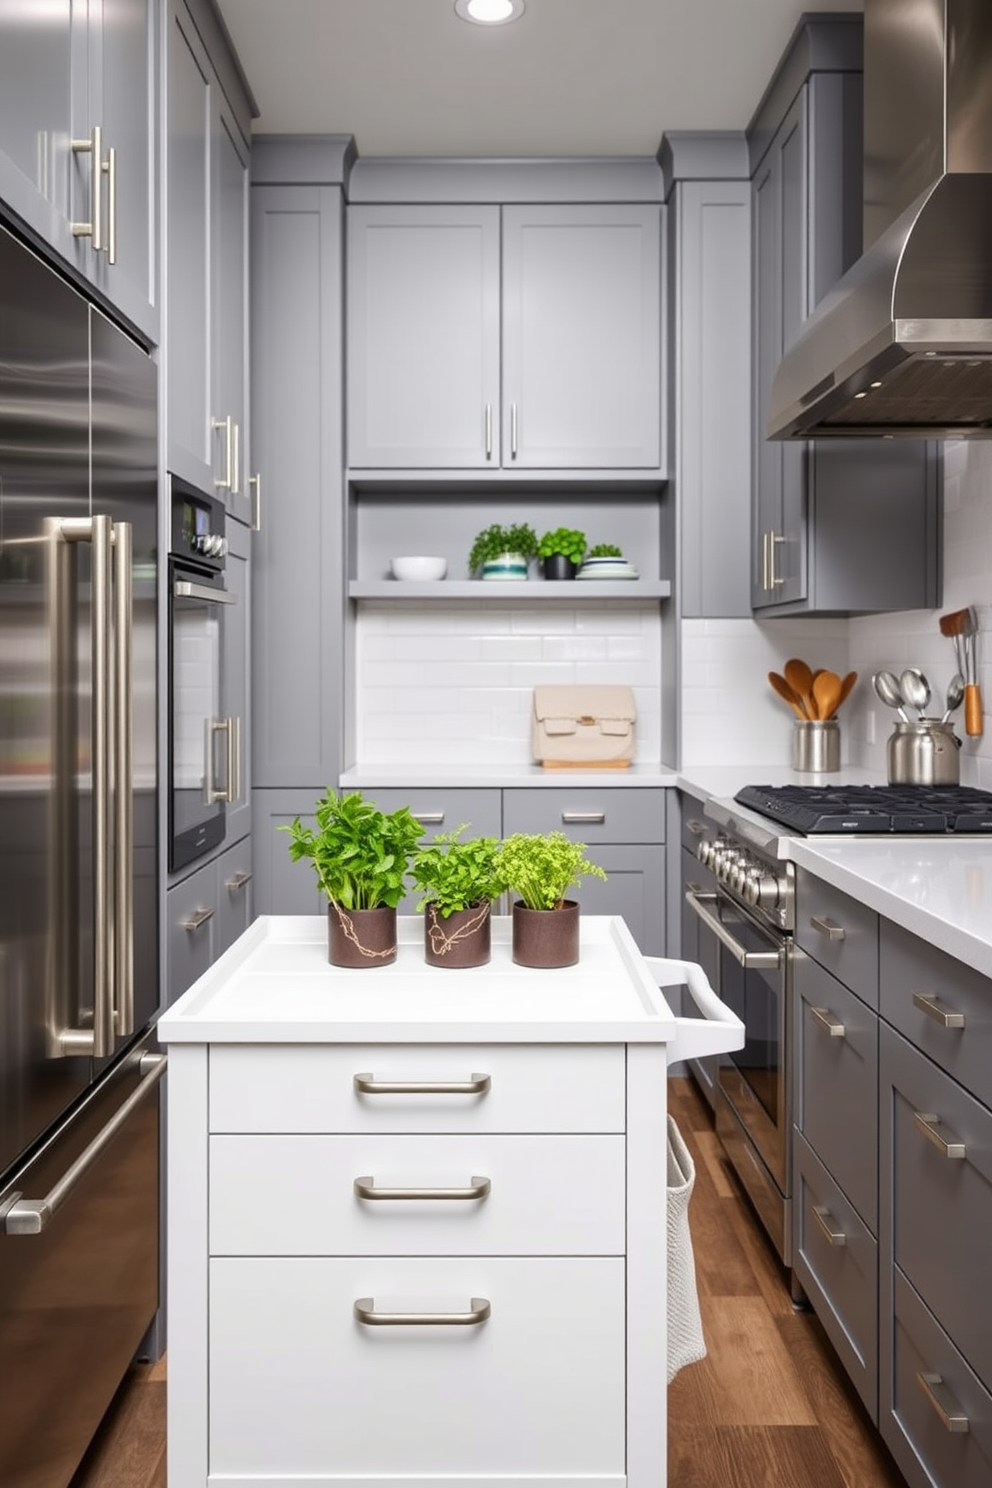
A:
(541, 868)
(604, 550)
(459, 880)
(360, 855)
(503, 552)
(561, 551)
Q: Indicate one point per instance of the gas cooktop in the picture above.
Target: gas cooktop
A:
(877, 809)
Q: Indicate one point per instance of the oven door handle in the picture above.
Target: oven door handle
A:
(186, 589)
(750, 960)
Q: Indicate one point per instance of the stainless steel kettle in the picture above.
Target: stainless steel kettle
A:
(923, 753)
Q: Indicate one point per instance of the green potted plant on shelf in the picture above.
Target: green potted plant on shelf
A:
(459, 880)
(605, 560)
(360, 855)
(541, 868)
(561, 551)
(604, 550)
(503, 552)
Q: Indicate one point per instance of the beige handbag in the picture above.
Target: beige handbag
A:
(581, 726)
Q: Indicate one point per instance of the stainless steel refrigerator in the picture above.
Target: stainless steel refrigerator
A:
(79, 1069)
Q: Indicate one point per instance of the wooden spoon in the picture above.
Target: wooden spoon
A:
(826, 693)
(800, 679)
(783, 689)
(846, 687)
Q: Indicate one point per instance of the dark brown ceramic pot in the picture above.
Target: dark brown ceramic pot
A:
(546, 937)
(360, 937)
(459, 940)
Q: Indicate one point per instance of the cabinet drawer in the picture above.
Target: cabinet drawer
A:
(311, 1088)
(295, 1195)
(839, 933)
(942, 1006)
(444, 810)
(600, 814)
(837, 1083)
(927, 1451)
(836, 1260)
(940, 1215)
(298, 1386)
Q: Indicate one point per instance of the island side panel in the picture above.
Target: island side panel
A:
(186, 1289)
(647, 1263)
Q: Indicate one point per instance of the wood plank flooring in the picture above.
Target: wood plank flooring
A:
(769, 1406)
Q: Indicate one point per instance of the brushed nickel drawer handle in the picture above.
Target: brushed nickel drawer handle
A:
(828, 927)
(952, 1417)
(935, 1009)
(197, 919)
(928, 1124)
(695, 826)
(826, 1020)
(428, 818)
(827, 1224)
(238, 881)
(583, 818)
(366, 1314)
(365, 1189)
(476, 1084)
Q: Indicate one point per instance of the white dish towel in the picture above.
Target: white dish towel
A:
(685, 1326)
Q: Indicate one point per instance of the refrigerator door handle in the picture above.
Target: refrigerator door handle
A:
(124, 784)
(32, 1216)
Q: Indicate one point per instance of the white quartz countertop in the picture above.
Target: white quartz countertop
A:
(275, 985)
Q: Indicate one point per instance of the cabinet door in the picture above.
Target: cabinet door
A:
(192, 928)
(235, 899)
(423, 336)
(634, 888)
(582, 337)
(282, 886)
(236, 673)
(229, 343)
(35, 52)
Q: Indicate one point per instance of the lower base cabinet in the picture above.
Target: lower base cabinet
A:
(205, 914)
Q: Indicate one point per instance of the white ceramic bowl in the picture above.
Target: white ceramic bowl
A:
(419, 568)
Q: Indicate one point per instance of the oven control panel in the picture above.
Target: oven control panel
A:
(747, 876)
(198, 527)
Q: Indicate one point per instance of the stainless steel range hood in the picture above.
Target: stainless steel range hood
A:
(903, 344)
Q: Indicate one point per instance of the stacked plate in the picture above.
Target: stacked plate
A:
(607, 568)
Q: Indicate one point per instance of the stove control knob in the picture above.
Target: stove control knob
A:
(704, 852)
(766, 894)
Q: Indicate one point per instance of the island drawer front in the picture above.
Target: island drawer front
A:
(297, 1385)
(836, 1261)
(940, 1205)
(951, 991)
(926, 1451)
(295, 1195)
(838, 932)
(311, 1088)
(599, 814)
(444, 808)
(843, 1131)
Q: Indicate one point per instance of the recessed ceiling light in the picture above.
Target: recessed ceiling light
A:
(489, 12)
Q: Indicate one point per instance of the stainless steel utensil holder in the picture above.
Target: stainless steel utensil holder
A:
(923, 753)
(816, 745)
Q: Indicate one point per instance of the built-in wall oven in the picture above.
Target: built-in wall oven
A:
(746, 923)
(204, 742)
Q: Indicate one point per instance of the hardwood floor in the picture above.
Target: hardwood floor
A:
(769, 1406)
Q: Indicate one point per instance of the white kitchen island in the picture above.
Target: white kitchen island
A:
(417, 1217)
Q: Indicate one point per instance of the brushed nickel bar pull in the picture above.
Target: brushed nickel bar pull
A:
(928, 1124)
(256, 515)
(773, 538)
(765, 585)
(951, 1416)
(826, 1020)
(94, 228)
(124, 784)
(238, 881)
(186, 589)
(479, 1189)
(935, 1009)
(236, 458)
(828, 927)
(695, 826)
(64, 1035)
(513, 431)
(827, 1224)
(428, 818)
(583, 818)
(110, 166)
(198, 918)
(227, 425)
(32, 1216)
(489, 431)
(366, 1314)
(476, 1084)
(233, 792)
(750, 960)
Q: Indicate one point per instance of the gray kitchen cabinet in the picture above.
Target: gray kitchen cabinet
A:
(282, 886)
(192, 934)
(839, 526)
(442, 809)
(235, 897)
(207, 131)
(236, 671)
(504, 338)
(78, 159)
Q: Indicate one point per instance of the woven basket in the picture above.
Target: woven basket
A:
(685, 1326)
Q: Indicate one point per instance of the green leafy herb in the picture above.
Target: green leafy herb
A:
(360, 854)
(495, 540)
(567, 541)
(605, 550)
(457, 875)
(541, 868)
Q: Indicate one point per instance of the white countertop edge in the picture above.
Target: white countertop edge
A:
(501, 777)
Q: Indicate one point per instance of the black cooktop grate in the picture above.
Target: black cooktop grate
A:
(877, 809)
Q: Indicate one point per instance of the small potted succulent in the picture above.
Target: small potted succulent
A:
(459, 880)
(601, 561)
(500, 552)
(360, 855)
(561, 551)
(540, 868)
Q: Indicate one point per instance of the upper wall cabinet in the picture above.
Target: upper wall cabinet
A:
(206, 270)
(490, 338)
(78, 158)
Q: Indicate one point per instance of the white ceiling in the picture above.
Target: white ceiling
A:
(571, 77)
